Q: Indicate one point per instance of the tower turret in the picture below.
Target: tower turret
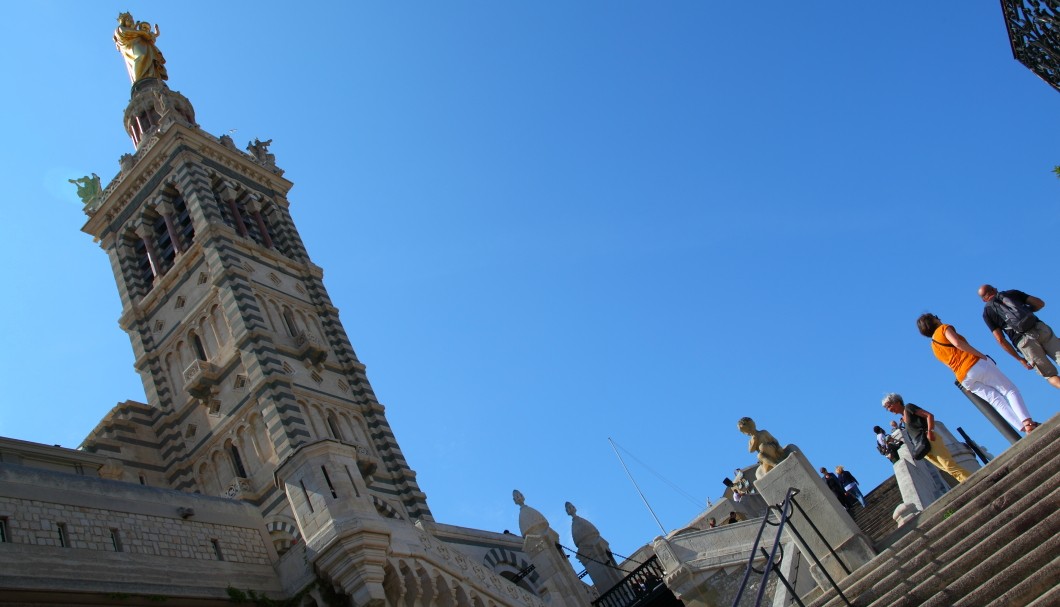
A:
(541, 544)
(594, 552)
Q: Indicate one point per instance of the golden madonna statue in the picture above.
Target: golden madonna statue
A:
(136, 43)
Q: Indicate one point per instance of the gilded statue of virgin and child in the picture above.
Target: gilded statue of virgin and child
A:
(136, 43)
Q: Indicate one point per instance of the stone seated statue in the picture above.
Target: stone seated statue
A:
(770, 453)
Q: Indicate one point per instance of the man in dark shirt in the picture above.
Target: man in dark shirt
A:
(1038, 344)
(832, 482)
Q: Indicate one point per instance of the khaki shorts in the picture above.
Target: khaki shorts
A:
(1039, 345)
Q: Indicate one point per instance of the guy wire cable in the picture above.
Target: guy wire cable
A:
(639, 492)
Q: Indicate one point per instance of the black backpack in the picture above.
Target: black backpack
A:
(1018, 317)
(883, 449)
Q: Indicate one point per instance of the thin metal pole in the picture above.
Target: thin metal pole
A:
(818, 562)
(637, 487)
(786, 583)
(974, 446)
(785, 515)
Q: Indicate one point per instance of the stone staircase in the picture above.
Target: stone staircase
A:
(992, 542)
(877, 520)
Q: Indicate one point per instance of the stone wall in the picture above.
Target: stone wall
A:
(37, 522)
(128, 538)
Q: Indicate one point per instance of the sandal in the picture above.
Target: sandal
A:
(1030, 425)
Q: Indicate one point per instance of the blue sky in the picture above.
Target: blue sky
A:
(550, 223)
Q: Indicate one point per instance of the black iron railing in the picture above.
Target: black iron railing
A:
(518, 577)
(773, 559)
(642, 583)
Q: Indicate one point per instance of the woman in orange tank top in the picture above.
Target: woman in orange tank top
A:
(975, 371)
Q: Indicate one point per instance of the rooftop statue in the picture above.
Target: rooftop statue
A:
(88, 188)
(260, 151)
(136, 43)
(770, 453)
(531, 522)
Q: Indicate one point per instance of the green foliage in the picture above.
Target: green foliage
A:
(1056, 169)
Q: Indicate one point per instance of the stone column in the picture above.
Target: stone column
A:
(254, 208)
(166, 210)
(228, 194)
(920, 482)
(823, 510)
(145, 234)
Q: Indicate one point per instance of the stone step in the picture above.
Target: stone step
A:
(954, 568)
(966, 528)
(981, 521)
(1015, 551)
(1025, 589)
(1049, 599)
(876, 520)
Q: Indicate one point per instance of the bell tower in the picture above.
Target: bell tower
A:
(243, 357)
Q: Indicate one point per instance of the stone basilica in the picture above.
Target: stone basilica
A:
(262, 466)
(262, 469)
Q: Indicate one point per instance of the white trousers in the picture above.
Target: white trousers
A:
(985, 380)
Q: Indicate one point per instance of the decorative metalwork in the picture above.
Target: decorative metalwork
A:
(1034, 33)
(239, 487)
(199, 378)
(310, 348)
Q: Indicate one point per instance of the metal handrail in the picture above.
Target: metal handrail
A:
(640, 583)
(784, 511)
(820, 535)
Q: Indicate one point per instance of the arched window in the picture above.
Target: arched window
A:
(144, 272)
(182, 220)
(334, 427)
(288, 322)
(164, 245)
(237, 462)
(200, 351)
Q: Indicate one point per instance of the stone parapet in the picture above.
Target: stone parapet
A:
(820, 509)
(73, 534)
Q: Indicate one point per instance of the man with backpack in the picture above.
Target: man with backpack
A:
(887, 445)
(1010, 314)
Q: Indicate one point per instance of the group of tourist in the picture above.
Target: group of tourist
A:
(844, 486)
(1010, 317)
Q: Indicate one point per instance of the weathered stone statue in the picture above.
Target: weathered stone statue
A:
(530, 520)
(136, 43)
(260, 150)
(88, 188)
(770, 453)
